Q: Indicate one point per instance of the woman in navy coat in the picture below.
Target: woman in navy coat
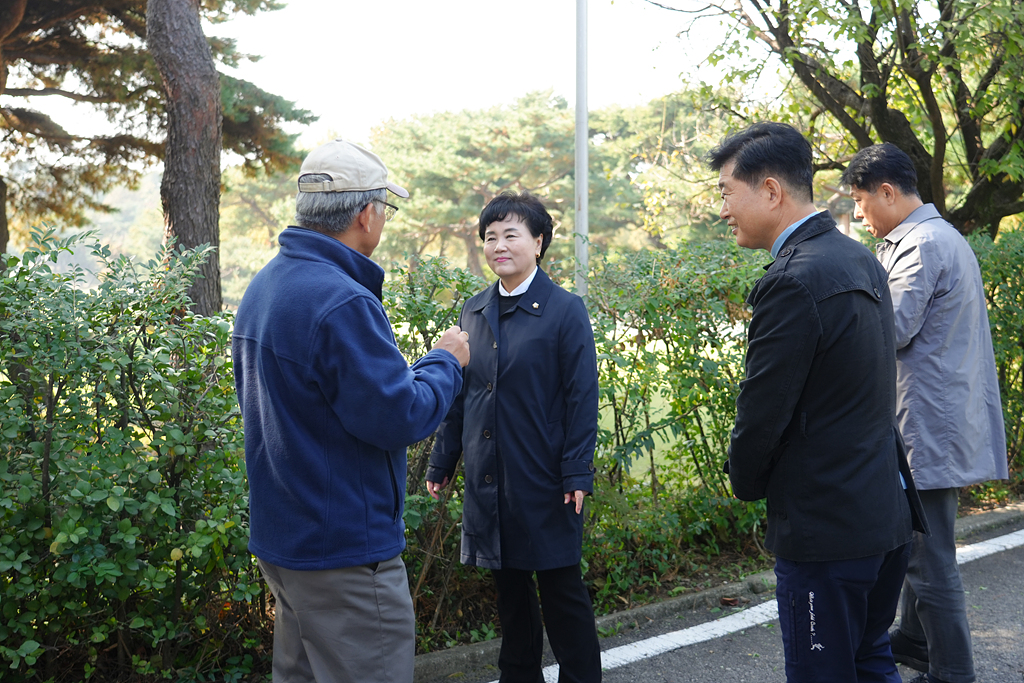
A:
(526, 425)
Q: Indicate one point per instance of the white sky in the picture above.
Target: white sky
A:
(356, 64)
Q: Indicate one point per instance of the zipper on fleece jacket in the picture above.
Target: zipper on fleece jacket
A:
(394, 485)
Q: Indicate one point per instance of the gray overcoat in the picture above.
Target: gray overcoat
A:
(947, 390)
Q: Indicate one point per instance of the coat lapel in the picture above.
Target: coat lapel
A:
(487, 303)
(535, 300)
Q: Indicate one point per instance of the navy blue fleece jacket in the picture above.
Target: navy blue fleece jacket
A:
(329, 406)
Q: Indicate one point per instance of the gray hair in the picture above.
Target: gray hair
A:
(333, 212)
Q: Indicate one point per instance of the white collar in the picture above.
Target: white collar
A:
(521, 289)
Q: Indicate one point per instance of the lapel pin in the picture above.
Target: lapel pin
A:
(536, 305)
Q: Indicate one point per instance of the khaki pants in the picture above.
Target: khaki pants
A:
(349, 625)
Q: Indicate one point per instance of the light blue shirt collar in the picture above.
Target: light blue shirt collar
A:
(781, 239)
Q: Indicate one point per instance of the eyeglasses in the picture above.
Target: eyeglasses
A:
(389, 211)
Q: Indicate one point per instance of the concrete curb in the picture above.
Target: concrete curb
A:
(445, 664)
(993, 519)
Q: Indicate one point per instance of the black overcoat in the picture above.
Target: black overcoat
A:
(816, 416)
(526, 424)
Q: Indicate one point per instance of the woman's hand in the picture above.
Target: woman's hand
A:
(434, 489)
(569, 497)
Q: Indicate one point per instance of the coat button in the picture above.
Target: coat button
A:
(490, 386)
(494, 345)
(786, 252)
(487, 433)
(488, 479)
(877, 294)
(590, 466)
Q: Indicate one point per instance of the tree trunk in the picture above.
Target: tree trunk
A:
(471, 240)
(11, 14)
(5, 235)
(190, 190)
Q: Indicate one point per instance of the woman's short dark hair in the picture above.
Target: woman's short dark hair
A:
(877, 164)
(768, 149)
(528, 208)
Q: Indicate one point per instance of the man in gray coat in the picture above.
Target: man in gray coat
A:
(947, 396)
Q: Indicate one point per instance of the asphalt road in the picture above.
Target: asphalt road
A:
(995, 599)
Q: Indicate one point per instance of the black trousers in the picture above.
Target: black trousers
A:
(568, 616)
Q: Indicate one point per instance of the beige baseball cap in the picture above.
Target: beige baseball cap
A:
(352, 169)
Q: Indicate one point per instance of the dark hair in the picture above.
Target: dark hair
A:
(767, 149)
(528, 208)
(877, 164)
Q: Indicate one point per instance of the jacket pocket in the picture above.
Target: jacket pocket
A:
(394, 486)
(789, 643)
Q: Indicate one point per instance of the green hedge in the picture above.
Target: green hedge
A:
(1002, 271)
(123, 507)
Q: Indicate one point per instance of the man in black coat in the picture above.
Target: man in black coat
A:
(815, 427)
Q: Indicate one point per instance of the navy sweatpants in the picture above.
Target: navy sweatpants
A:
(835, 617)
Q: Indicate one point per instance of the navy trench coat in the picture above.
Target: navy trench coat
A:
(526, 425)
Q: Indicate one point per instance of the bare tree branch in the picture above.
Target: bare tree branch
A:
(677, 9)
(921, 70)
(44, 92)
(968, 122)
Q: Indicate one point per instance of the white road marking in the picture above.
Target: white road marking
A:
(992, 546)
(626, 654)
(759, 614)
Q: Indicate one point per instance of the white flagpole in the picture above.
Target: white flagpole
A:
(582, 156)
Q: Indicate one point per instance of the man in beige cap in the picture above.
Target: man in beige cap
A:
(329, 406)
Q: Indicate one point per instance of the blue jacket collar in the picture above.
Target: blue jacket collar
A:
(302, 243)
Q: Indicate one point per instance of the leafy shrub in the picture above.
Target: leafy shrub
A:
(671, 336)
(671, 342)
(1001, 270)
(637, 549)
(423, 301)
(123, 503)
(450, 599)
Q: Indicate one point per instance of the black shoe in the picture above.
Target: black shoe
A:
(908, 652)
(924, 678)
